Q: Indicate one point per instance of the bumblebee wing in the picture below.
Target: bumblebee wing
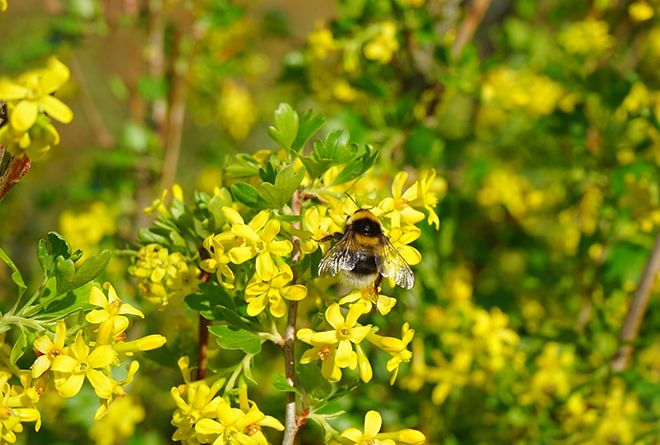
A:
(340, 257)
(391, 264)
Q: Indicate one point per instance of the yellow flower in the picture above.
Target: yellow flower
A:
(118, 423)
(233, 424)
(3, 5)
(398, 208)
(86, 229)
(427, 185)
(270, 290)
(320, 351)
(366, 297)
(318, 224)
(372, 435)
(219, 261)
(79, 363)
(383, 46)
(32, 93)
(48, 349)
(200, 403)
(259, 240)
(13, 413)
(118, 391)
(346, 332)
(110, 317)
(397, 348)
(400, 237)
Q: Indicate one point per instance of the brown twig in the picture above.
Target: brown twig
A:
(101, 133)
(177, 110)
(637, 309)
(203, 348)
(469, 26)
(292, 423)
(12, 168)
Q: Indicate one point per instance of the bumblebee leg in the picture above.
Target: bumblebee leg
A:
(379, 278)
(336, 236)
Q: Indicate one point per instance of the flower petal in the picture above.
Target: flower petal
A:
(71, 385)
(372, 424)
(40, 365)
(256, 306)
(56, 109)
(63, 363)
(296, 292)
(101, 357)
(280, 248)
(101, 383)
(346, 357)
(24, 115)
(352, 434)
(334, 317)
(239, 255)
(245, 232)
(97, 297)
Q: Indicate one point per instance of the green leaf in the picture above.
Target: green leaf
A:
(19, 348)
(280, 384)
(64, 271)
(313, 382)
(287, 181)
(16, 276)
(90, 269)
(245, 194)
(309, 125)
(315, 167)
(228, 338)
(335, 147)
(286, 126)
(357, 167)
(60, 305)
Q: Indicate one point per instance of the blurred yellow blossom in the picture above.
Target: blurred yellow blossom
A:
(321, 43)
(586, 37)
(85, 230)
(512, 89)
(237, 109)
(640, 11)
(382, 47)
(118, 423)
(3, 5)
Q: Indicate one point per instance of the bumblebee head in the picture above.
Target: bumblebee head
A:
(365, 223)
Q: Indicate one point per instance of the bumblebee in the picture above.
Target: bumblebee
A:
(363, 255)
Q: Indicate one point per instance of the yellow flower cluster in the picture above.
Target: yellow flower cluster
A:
(553, 378)
(85, 230)
(163, 276)
(510, 89)
(482, 341)
(594, 417)
(202, 416)
(382, 46)
(64, 364)
(28, 98)
(587, 37)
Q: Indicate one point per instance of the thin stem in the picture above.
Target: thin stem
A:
(177, 110)
(20, 321)
(637, 309)
(469, 26)
(203, 348)
(234, 375)
(291, 422)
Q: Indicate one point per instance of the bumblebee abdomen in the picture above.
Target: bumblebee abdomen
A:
(366, 266)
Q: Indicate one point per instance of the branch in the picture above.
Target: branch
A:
(291, 423)
(469, 26)
(637, 309)
(12, 168)
(177, 110)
